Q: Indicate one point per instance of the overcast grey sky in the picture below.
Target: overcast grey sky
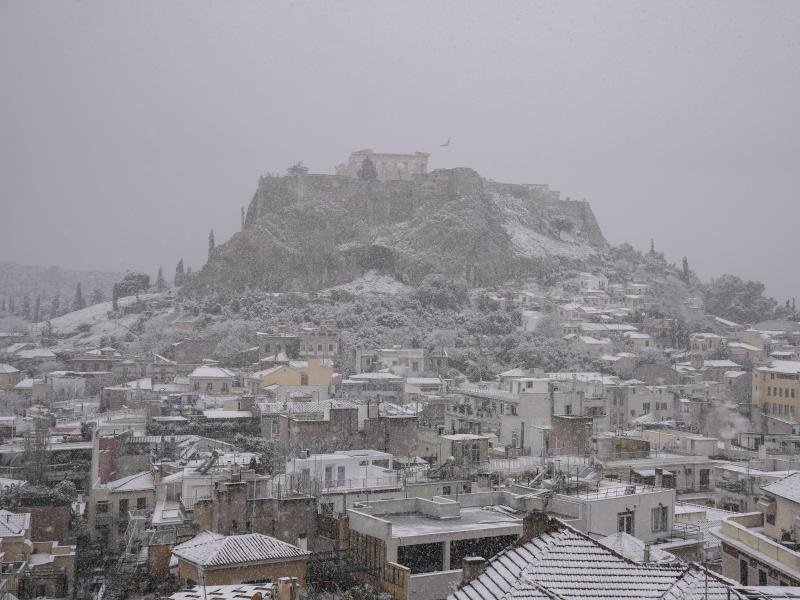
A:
(130, 128)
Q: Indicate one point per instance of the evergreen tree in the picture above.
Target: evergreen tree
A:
(3, 305)
(652, 246)
(180, 274)
(210, 243)
(98, 296)
(11, 305)
(79, 302)
(793, 306)
(55, 305)
(26, 306)
(367, 172)
(161, 284)
(686, 269)
(37, 309)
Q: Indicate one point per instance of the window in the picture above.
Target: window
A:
(303, 378)
(328, 476)
(659, 519)
(330, 347)
(123, 508)
(102, 507)
(319, 348)
(743, 571)
(568, 409)
(446, 491)
(625, 522)
(225, 387)
(266, 347)
(645, 407)
(513, 409)
(209, 386)
(340, 476)
(141, 503)
(762, 577)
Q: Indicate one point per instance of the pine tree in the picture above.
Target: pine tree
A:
(79, 302)
(26, 306)
(55, 306)
(161, 285)
(793, 305)
(98, 296)
(180, 275)
(367, 172)
(685, 269)
(652, 246)
(37, 309)
(210, 243)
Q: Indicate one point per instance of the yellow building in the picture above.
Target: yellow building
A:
(296, 373)
(776, 389)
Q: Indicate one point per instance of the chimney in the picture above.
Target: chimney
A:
(471, 567)
(646, 555)
(659, 477)
(534, 524)
(288, 588)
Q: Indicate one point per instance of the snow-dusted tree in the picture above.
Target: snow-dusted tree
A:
(26, 306)
(368, 172)
(210, 243)
(11, 306)
(98, 296)
(180, 274)
(79, 302)
(3, 305)
(161, 283)
(686, 271)
(37, 309)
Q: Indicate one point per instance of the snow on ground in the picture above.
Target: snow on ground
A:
(373, 282)
(97, 318)
(531, 243)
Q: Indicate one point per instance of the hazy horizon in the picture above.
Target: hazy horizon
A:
(131, 129)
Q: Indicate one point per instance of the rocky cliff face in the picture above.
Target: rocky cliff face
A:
(314, 231)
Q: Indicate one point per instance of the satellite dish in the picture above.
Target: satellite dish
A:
(256, 596)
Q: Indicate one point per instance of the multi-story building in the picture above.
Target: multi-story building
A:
(761, 548)
(776, 389)
(30, 568)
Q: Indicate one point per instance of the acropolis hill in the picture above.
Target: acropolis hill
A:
(311, 231)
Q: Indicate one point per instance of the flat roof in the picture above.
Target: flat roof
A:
(488, 520)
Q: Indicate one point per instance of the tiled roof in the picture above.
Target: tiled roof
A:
(12, 524)
(242, 591)
(215, 550)
(788, 487)
(565, 564)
